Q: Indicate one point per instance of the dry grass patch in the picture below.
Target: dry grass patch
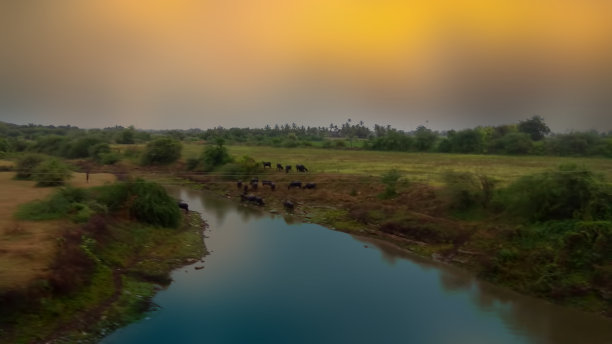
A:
(27, 247)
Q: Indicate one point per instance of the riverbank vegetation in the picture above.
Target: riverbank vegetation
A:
(113, 244)
(516, 204)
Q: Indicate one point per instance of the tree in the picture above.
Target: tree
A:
(126, 136)
(535, 127)
(424, 138)
(214, 156)
(162, 151)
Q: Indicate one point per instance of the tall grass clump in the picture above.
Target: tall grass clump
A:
(58, 205)
(465, 190)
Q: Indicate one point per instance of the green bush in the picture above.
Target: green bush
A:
(112, 196)
(151, 204)
(390, 179)
(26, 165)
(96, 151)
(571, 192)
(51, 172)
(215, 156)
(244, 168)
(465, 190)
(57, 205)
(161, 151)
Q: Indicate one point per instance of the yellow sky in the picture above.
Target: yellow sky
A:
(242, 48)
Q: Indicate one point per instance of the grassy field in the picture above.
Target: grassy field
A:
(426, 167)
(27, 247)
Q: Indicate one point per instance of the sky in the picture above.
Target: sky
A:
(179, 64)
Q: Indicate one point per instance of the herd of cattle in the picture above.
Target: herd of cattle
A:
(253, 185)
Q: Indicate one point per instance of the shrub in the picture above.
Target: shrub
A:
(152, 204)
(465, 189)
(390, 179)
(96, 151)
(109, 158)
(162, 151)
(51, 172)
(215, 156)
(112, 196)
(27, 164)
(569, 192)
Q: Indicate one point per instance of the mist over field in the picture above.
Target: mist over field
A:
(186, 64)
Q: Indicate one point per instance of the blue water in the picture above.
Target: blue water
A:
(270, 281)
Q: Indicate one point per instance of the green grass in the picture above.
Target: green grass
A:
(141, 252)
(424, 167)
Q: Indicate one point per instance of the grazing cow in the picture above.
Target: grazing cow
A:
(310, 186)
(253, 199)
(287, 168)
(295, 184)
(267, 164)
(288, 205)
(301, 168)
(183, 205)
(279, 167)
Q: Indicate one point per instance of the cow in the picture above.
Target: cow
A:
(301, 168)
(295, 184)
(267, 164)
(266, 182)
(253, 199)
(287, 168)
(288, 205)
(273, 186)
(279, 167)
(183, 205)
(254, 183)
(239, 184)
(310, 186)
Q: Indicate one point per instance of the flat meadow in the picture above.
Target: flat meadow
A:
(422, 167)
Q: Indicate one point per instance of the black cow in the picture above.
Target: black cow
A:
(183, 205)
(310, 186)
(288, 205)
(287, 168)
(295, 184)
(273, 186)
(253, 199)
(239, 184)
(267, 164)
(301, 168)
(279, 167)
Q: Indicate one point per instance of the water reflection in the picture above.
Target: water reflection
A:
(529, 319)
(539, 319)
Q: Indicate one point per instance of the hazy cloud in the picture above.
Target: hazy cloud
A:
(188, 63)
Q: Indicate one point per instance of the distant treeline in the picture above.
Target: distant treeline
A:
(528, 137)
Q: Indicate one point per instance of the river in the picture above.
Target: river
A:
(272, 279)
